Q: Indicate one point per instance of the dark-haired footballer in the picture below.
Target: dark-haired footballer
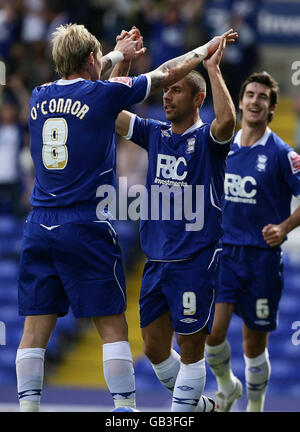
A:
(262, 175)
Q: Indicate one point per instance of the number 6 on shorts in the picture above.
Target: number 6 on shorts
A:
(262, 308)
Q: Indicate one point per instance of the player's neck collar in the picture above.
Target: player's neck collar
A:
(193, 127)
(68, 82)
(262, 140)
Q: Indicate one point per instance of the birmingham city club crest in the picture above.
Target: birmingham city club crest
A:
(190, 147)
(261, 162)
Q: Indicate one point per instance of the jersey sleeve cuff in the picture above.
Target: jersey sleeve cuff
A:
(148, 77)
(219, 142)
(130, 129)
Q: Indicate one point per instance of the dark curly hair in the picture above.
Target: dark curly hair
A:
(266, 79)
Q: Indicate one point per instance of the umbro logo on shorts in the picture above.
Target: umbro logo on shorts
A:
(262, 322)
(188, 320)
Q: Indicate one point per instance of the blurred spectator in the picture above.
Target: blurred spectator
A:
(240, 58)
(36, 67)
(115, 18)
(8, 27)
(11, 140)
(56, 12)
(34, 22)
(91, 13)
(192, 11)
(16, 92)
(166, 35)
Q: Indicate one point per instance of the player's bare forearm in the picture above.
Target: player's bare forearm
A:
(223, 125)
(292, 222)
(106, 66)
(123, 122)
(173, 70)
(120, 69)
(274, 235)
(176, 69)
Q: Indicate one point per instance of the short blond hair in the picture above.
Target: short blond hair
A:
(71, 46)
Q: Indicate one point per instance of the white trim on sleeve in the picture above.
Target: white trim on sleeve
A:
(130, 129)
(148, 76)
(219, 142)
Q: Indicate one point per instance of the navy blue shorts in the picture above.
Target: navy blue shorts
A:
(75, 264)
(252, 279)
(185, 288)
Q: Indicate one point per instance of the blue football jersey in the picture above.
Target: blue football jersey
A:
(259, 183)
(72, 137)
(181, 213)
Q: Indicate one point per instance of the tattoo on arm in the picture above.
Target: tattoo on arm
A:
(106, 65)
(173, 70)
(121, 69)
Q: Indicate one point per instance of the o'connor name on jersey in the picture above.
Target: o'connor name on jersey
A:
(60, 106)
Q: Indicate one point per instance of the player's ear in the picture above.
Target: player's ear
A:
(273, 109)
(91, 59)
(199, 98)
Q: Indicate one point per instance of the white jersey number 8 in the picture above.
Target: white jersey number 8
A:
(55, 135)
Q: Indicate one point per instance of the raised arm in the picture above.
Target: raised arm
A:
(129, 45)
(176, 69)
(223, 126)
